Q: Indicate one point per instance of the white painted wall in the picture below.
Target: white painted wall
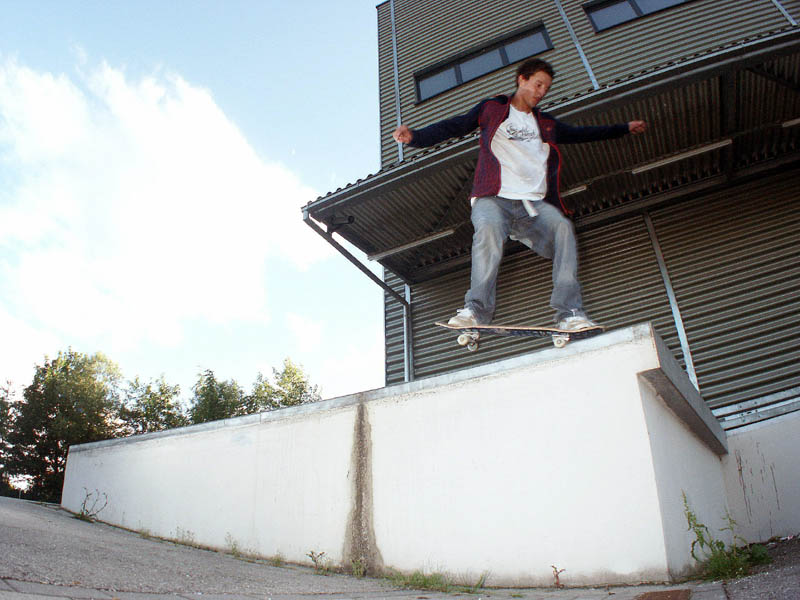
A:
(272, 486)
(682, 465)
(561, 457)
(762, 476)
(517, 470)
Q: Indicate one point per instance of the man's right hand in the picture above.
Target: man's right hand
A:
(403, 135)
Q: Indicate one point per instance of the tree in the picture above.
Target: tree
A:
(73, 399)
(294, 386)
(5, 447)
(152, 407)
(289, 387)
(214, 400)
(263, 397)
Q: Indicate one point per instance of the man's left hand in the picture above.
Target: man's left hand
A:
(637, 127)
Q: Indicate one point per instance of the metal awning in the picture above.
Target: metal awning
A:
(715, 119)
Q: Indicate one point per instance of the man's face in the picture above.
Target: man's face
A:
(534, 88)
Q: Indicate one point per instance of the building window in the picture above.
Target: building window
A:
(481, 61)
(605, 14)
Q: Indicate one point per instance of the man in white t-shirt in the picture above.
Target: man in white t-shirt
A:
(515, 191)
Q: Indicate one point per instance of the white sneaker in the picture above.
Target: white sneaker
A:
(576, 323)
(464, 318)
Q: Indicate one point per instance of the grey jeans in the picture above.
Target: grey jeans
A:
(550, 234)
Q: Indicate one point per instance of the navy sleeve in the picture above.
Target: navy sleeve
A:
(446, 129)
(570, 134)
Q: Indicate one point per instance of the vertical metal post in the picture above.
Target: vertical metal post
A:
(673, 302)
(577, 43)
(408, 338)
(396, 71)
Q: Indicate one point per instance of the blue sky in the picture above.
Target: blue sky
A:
(154, 157)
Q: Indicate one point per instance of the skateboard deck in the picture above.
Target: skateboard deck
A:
(470, 336)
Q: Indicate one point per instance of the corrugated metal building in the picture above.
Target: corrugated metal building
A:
(694, 225)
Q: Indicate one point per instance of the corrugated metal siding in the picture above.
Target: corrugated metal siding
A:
(429, 31)
(622, 286)
(776, 102)
(671, 34)
(386, 91)
(393, 325)
(734, 260)
(621, 280)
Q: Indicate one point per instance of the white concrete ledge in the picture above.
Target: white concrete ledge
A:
(675, 388)
(575, 457)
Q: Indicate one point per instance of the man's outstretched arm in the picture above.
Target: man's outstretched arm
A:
(569, 134)
(439, 131)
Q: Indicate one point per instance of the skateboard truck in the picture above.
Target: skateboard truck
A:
(470, 340)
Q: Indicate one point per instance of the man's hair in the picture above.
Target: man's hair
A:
(531, 66)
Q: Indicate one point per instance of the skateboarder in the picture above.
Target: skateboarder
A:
(515, 190)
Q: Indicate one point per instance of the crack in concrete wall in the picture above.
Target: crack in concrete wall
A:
(361, 549)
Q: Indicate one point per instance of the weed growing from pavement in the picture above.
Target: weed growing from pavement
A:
(438, 582)
(89, 512)
(556, 573)
(233, 546)
(478, 585)
(357, 568)
(322, 567)
(236, 550)
(185, 537)
(276, 560)
(717, 560)
(421, 581)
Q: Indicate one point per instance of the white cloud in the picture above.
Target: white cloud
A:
(352, 369)
(22, 348)
(130, 208)
(307, 333)
(349, 360)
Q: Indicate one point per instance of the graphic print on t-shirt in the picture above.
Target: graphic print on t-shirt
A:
(520, 134)
(522, 155)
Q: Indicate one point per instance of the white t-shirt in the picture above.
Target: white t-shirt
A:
(518, 146)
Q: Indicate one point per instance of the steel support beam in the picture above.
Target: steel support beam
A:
(344, 252)
(673, 302)
(408, 331)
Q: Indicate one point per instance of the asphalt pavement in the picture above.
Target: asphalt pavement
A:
(45, 553)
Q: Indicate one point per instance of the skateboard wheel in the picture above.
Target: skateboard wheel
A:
(559, 341)
(464, 339)
(472, 346)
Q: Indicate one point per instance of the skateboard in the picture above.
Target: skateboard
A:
(470, 336)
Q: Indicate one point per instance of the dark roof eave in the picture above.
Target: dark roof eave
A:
(394, 176)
